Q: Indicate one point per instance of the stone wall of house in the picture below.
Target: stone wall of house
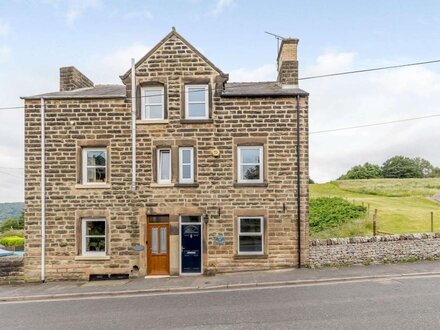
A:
(11, 270)
(71, 123)
(374, 249)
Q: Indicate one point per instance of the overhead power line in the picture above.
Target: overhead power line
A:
(374, 124)
(369, 70)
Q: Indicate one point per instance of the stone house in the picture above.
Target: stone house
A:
(175, 171)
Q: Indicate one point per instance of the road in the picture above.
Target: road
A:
(401, 303)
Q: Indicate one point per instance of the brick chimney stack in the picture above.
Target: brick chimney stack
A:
(71, 78)
(288, 63)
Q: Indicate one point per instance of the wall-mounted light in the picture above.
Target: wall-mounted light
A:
(205, 218)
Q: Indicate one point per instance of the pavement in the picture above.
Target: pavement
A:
(151, 285)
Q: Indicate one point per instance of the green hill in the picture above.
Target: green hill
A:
(10, 210)
(404, 205)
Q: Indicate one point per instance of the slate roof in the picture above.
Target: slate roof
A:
(96, 92)
(267, 88)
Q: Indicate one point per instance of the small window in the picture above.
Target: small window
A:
(250, 164)
(93, 237)
(197, 104)
(152, 101)
(186, 165)
(94, 168)
(164, 166)
(250, 235)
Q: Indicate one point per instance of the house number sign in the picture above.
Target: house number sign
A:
(139, 248)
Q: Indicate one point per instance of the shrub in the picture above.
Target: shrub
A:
(12, 241)
(12, 232)
(330, 212)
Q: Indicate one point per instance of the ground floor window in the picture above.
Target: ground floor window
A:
(93, 237)
(250, 235)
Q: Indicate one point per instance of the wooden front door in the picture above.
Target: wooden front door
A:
(158, 243)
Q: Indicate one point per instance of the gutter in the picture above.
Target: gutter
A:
(133, 124)
(43, 191)
(298, 177)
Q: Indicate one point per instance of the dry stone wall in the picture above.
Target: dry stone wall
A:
(374, 249)
(11, 270)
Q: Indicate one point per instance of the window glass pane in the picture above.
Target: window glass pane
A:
(251, 244)
(165, 164)
(196, 110)
(196, 94)
(186, 156)
(95, 228)
(95, 244)
(250, 172)
(250, 225)
(158, 219)
(250, 155)
(96, 158)
(96, 174)
(154, 112)
(163, 240)
(153, 96)
(190, 218)
(186, 171)
(154, 240)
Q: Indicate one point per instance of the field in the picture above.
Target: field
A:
(404, 205)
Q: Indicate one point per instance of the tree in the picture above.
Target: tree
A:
(425, 166)
(401, 167)
(366, 171)
(13, 223)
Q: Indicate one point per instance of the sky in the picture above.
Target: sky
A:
(99, 37)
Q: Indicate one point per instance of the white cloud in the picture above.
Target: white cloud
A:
(369, 98)
(4, 29)
(108, 68)
(222, 5)
(5, 53)
(72, 10)
(265, 72)
(145, 13)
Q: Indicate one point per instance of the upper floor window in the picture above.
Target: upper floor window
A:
(250, 164)
(186, 165)
(197, 102)
(94, 165)
(152, 101)
(164, 166)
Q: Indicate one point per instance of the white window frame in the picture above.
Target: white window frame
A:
(187, 102)
(84, 237)
(85, 166)
(239, 164)
(181, 179)
(261, 233)
(160, 91)
(159, 168)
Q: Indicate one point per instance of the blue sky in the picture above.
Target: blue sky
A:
(99, 37)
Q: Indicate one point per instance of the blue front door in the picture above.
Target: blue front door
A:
(191, 249)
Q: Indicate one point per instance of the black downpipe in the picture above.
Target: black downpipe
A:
(298, 177)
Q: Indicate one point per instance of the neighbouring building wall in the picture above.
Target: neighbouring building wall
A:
(374, 249)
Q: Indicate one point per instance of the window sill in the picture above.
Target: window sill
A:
(151, 122)
(187, 185)
(250, 256)
(161, 185)
(92, 258)
(196, 121)
(93, 186)
(250, 184)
